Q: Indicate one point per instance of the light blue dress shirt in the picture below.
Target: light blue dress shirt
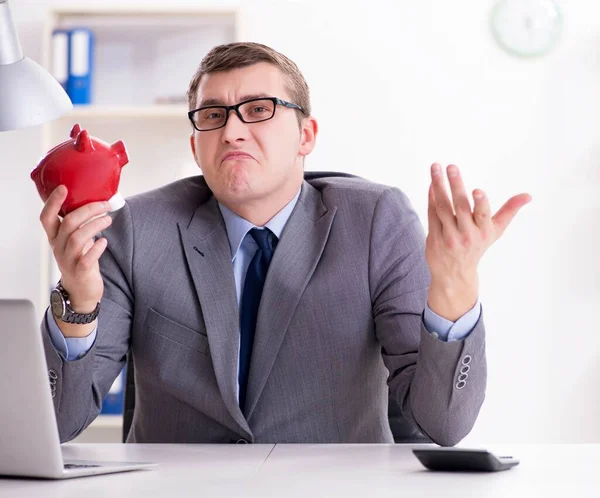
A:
(242, 252)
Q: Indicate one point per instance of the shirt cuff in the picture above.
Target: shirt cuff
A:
(71, 348)
(445, 330)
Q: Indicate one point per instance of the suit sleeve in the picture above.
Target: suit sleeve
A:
(71, 348)
(439, 386)
(81, 385)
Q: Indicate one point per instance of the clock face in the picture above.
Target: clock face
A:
(526, 27)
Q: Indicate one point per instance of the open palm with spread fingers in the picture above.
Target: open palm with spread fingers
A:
(457, 239)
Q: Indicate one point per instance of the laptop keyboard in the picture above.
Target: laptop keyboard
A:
(78, 466)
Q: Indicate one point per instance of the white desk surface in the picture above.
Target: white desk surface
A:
(284, 471)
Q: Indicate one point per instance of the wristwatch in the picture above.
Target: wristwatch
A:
(61, 307)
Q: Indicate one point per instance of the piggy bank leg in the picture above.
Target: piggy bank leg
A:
(116, 202)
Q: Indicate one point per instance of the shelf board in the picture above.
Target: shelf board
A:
(159, 111)
(141, 10)
(108, 422)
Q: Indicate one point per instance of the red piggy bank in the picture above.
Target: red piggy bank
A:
(87, 166)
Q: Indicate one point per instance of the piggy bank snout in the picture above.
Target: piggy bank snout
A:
(119, 150)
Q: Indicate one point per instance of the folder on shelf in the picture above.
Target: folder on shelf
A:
(60, 56)
(79, 86)
(113, 401)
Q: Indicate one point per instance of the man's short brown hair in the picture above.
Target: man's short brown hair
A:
(242, 54)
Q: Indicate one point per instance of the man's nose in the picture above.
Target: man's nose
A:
(235, 129)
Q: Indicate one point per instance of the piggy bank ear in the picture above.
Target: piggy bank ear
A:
(119, 150)
(76, 130)
(83, 143)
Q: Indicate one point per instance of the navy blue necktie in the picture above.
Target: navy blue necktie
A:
(253, 287)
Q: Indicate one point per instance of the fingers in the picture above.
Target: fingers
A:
(482, 210)
(443, 207)
(507, 212)
(91, 257)
(75, 220)
(464, 216)
(49, 214)
(466, 225)
(80, 238)
(435, 224)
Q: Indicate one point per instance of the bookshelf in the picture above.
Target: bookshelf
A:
(152, 111)
(144, 57)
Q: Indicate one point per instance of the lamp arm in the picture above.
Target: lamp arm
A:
(10, 46)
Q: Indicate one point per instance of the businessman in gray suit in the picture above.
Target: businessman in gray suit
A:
(262, 304)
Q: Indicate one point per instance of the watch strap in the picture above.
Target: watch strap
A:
(71, 316)
(80, 318)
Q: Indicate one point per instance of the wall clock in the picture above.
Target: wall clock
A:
(526, 28)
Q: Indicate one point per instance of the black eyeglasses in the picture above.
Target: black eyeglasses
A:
(250, 111)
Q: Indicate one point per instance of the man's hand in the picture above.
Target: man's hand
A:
(77, 253)
(458, 238)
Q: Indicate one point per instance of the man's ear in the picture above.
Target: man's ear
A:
(193, 145)
(308, 135)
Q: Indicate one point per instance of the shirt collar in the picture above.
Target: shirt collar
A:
(237, 227)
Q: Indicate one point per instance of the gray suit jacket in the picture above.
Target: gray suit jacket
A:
(340, 320)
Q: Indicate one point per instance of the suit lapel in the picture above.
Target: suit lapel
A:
(294, 261)
(208, 256)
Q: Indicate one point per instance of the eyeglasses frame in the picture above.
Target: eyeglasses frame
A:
(228, 108)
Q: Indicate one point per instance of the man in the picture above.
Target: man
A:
(261, 306)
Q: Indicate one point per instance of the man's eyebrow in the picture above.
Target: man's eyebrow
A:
(214, 101)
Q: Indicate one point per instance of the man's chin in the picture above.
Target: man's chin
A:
(239, 192)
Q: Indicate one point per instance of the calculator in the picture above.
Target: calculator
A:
(452, 459)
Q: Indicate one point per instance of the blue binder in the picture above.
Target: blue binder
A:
(60, 56)
(81, 49)
(114, 399)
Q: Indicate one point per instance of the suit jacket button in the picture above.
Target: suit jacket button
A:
(241, 441)
(52, 374)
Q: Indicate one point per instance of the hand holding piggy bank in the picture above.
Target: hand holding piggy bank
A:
(87, 166)
(90, 170)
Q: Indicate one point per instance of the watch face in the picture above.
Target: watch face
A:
(57, 304)
(526, 27)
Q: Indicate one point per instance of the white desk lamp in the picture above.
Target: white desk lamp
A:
(29, 95)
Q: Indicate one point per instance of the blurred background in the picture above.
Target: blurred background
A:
(395, 87)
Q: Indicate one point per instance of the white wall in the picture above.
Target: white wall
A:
(438, 89)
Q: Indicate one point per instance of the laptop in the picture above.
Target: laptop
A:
(29, 441)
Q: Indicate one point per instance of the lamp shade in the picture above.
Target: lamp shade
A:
(29, 95)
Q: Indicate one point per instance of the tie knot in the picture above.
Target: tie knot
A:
(264, 238)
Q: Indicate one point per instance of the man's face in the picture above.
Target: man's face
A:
(271, 151)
